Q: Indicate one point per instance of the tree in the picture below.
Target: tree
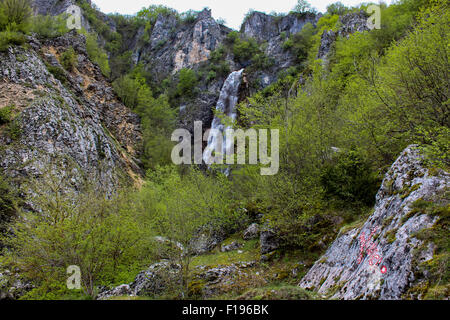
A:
(302, 7)
(337, 8)
(178, 207)
(102, 236)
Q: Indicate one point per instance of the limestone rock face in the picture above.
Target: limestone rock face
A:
(57, 7)
(274, 31)
(351, 23)
(74, 125)
(384, 268)
(268, 241)
(174, 45)
(152, 281)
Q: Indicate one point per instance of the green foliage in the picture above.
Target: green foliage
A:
(187, 82)
(49, 26)
(15, 15)
(337, 8)
(157, 117)
(245, 50)
(86, 229)
(189, 16)
(69, 59)
(9, 38)
(8, 203)
(300, 43)
(179, 206)
(97, 54)
(397, 105)
(350, 178)
(6, 114)
(302, 6)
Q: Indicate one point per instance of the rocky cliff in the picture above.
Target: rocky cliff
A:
(384, 258)
(71, 119)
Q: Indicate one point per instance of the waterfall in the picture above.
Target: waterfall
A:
(225, 105)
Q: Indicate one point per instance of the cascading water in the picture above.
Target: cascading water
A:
(225, 105)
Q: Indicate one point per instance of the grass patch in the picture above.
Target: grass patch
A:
(250, 252)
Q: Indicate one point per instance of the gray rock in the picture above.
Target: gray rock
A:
(391, 274)
(231, 247)
(252, 232)
(64, 126)
(206, 240)
(268, 241)
(153, 281)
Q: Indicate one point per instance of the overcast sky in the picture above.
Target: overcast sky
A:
(233, 11)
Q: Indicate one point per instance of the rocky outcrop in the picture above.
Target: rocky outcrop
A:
(350, 23)
(153, 281)
(63, 123)
(252, 232)
(273, 31)
(174, 44)
(206, 240)
(378, 260)
(57, 7)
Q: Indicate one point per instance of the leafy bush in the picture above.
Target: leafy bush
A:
(302, 6)
(350, 178)
(186, 83)
(179, 206)
(8, 204)
(97, 54)
(69, 59)
(157, 116)
(15, 15)
(58, 73)
(49, 26)
(300, 43)
(9, 38)
(337, 8)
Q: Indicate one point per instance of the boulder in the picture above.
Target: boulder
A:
(268, 241)
(231, 247)
(380, 259)
(252, 232)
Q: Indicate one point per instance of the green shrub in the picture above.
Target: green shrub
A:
(350, 178)
(97, 54)
(6, 114)
(69, 59)
(245, 50)
(58, 73)
(186, 83)
(15, 15)
(85, 229)
(211, 76)
(8, 203)
(49, 26)
(300, 43)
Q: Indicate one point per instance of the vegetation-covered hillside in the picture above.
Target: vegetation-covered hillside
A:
(104, 194)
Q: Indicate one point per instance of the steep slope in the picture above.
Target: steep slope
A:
(383, 258)
(69, 121)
